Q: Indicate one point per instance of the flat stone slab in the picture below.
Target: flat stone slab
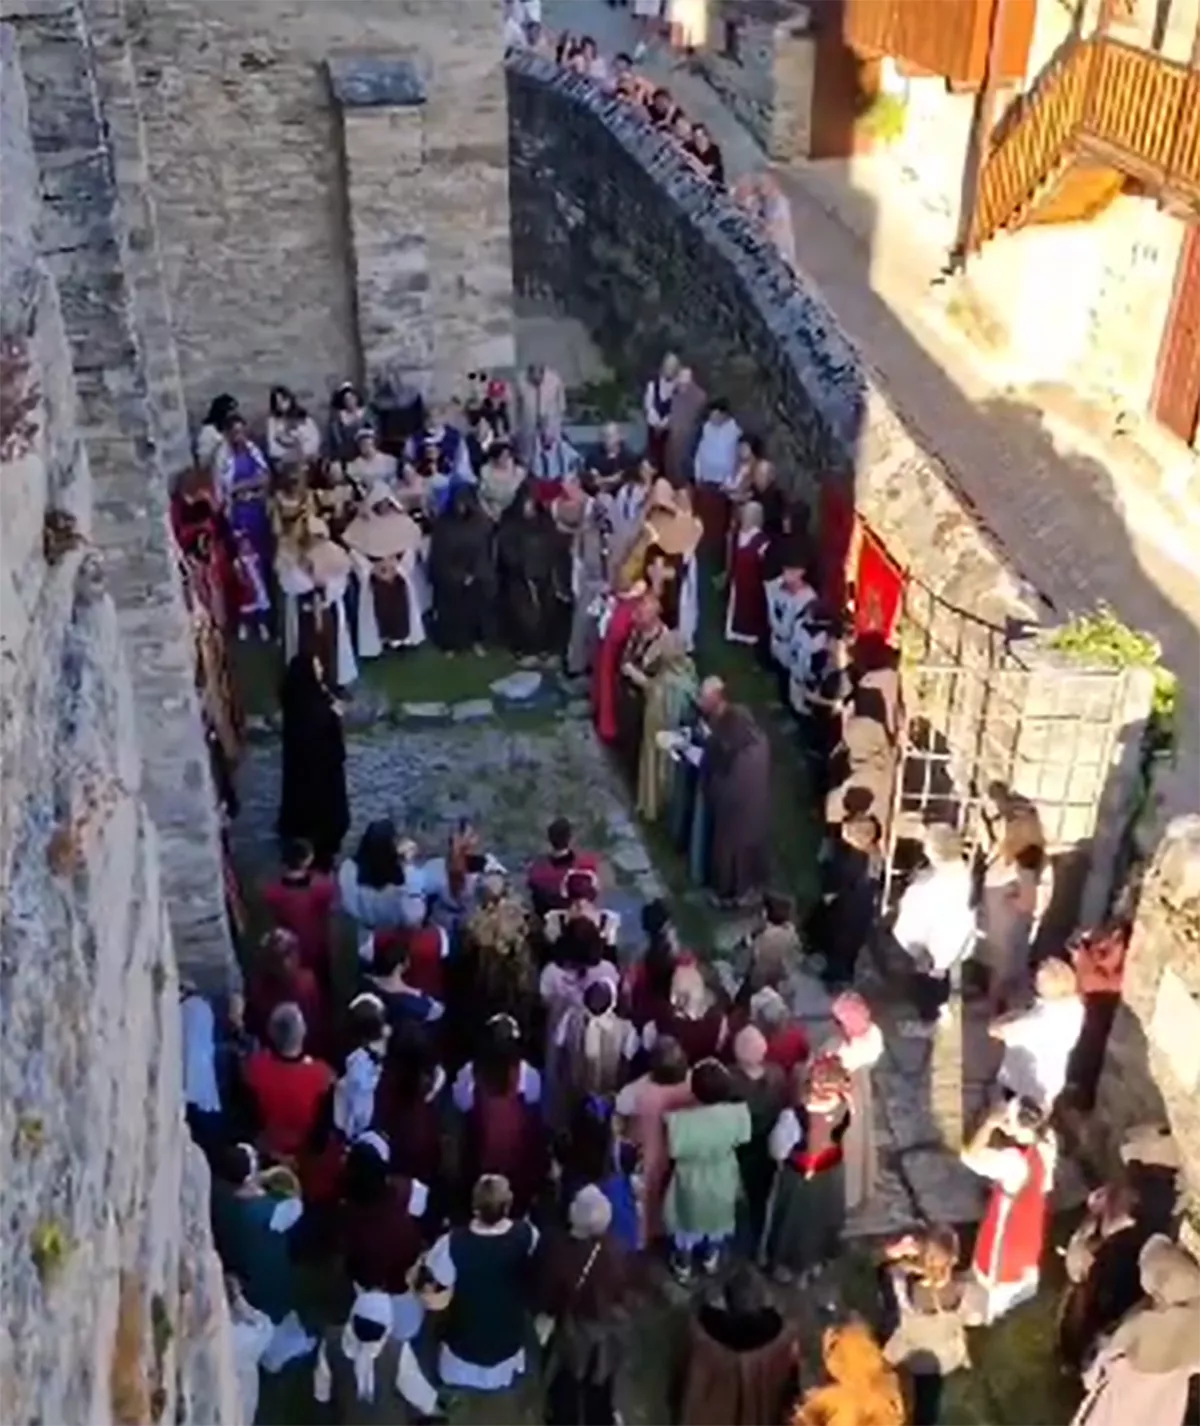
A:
(369, 81)
(631, 858)
(520, 687)
(473, 710)
(425, 712)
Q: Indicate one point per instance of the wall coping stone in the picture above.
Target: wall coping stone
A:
(373, 81)
(900, 489)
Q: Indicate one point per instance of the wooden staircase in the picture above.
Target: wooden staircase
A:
(1101, 114)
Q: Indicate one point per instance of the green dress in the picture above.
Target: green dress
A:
(705, 1184)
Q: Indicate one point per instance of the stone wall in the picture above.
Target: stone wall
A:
(1152, 1070)
(113, 1298)
(611, 225)
(246, 158)
(96, 252)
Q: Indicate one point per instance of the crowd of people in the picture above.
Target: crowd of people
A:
(488, 1128)
(759, 195)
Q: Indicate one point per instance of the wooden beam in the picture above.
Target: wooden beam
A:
(982, 122)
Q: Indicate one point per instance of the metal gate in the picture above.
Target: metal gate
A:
(979, 712)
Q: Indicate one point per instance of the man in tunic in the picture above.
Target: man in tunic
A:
(591, 551)
(715, 470)
(746, 611)
(530, 551)
(460, 570)
(684, 420)
(736, 773)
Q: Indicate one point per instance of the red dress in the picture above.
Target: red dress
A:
(606, 674)
(1008, 1250)
(265, 992)
(505, 1136)
(746, 613)
(643, 1003)
(548, 875)
(788, 1048)
(303, 905)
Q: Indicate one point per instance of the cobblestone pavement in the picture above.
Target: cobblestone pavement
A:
(1058, 511)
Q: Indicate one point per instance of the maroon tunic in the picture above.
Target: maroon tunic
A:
(700, 1039)
(746, 617)
(413, 1129)
(504, 1135)
(382, 1240)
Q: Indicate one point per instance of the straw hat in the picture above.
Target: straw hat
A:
(675, 530)
(381, 529)
(326, 561)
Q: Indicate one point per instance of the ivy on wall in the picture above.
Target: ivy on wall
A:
(1101, 639)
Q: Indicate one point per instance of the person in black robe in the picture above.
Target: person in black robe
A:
(841, 922)
(529, 551)
(313, 804)
(736, 775)
(461, 573)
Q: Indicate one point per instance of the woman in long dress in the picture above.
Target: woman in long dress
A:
(313, 802)
(668, 696)
(383, 541)
(642, 1108)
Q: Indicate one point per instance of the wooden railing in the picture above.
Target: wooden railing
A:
(1127, 107)
(948, 38)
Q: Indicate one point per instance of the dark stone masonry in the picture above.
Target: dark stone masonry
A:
(610, 224)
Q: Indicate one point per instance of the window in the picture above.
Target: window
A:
(733, 40)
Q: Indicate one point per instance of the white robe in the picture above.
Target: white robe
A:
(370, 645)
(295, 582)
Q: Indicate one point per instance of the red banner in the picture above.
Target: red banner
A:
(878, 587)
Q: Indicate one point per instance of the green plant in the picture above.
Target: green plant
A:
(1101, 639)
(884, 119)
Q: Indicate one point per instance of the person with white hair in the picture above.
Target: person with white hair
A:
(287, 1088)
(582, 1281)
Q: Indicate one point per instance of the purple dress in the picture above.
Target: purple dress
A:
(248, 510)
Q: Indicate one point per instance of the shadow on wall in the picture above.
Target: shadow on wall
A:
(610, 227)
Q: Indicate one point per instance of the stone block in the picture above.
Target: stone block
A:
(520, 687)
(375, 81)
(425, 712)
(473, 710)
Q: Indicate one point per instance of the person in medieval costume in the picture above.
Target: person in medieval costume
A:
(617, 626)
(314, 577)
(384, 542)
(668, 697)
(371, 465)
(639, 663)
(1145, 1371)
(626, 506)
(741, 1359)
(582, 1281)
(656, 402)
(347, 415)
(243, 478)
(702, 1197)
(460, 571)
(746, 609)
(595, 1046)
(530, 551)
(498, 1096)
(670, 567)
(858, 1045)
(763, 1087)
(364, 1365)
(251, 1332)
(585, 516)
(789, 599)
(808, 1202)
(486, 1267)
(611, 460)
(497, 972)
(688, 404)
(554, 463)
(313, 804)
(541, 407)
(1012, 1236)
(252, 1228)
(735, 770)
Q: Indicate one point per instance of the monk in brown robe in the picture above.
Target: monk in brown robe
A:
(688, 404)
(741, 1358)
(736, 771)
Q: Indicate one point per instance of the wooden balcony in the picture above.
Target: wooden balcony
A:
(1099, 102)
(948, 38)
